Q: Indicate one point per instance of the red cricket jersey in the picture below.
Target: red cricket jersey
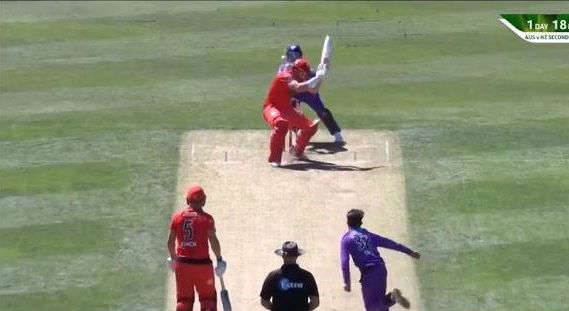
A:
(191, 229)
(279, 95)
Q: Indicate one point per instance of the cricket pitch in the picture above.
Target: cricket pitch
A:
(257, 207)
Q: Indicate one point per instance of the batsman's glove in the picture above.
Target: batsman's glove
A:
(321, 72)
(170, 263)
(221, 267)
(323, 68)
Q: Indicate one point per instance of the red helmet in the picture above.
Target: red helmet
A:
(195, 194)
(301, 64)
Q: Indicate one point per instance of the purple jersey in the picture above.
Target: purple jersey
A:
(362, 245)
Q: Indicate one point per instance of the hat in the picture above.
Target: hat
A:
(195, 194)
(289, 248)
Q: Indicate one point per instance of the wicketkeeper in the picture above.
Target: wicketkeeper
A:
(190, 231)
(292, 53)
(362, 246)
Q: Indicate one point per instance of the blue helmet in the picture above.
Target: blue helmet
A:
(293, 52)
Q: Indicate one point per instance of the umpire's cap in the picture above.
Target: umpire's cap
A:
(289, 249)
(195, 194)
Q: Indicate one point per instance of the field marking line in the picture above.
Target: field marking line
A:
(387, 150)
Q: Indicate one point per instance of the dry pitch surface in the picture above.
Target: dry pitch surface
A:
(257, 207)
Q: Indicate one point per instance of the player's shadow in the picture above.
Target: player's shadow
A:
(326, 147)
(305, 165)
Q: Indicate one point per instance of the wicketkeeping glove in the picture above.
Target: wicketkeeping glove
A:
(221, 267)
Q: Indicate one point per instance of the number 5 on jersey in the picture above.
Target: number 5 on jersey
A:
(188, 233)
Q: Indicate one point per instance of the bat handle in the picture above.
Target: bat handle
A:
(222, 284)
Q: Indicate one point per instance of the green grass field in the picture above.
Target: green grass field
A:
(94, 98)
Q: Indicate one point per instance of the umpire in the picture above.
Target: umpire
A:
(290, 288)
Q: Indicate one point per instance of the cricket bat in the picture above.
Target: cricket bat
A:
(224, 294)
(326, 51)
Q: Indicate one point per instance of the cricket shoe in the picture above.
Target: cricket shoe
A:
(338, 139)
(295, 156)
(276, 164)
(399, 299)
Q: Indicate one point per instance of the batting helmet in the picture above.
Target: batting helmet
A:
(293, 52)
(301, 64)
(195, 194)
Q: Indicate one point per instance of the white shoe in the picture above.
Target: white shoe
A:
(295, 156)
(399, 299)
(338, 138)
(276, 164)
(301, 157)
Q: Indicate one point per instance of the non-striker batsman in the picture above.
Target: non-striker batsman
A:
(190, 231)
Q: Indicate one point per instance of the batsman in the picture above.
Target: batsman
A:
(280, 114)
(190, 231)
(313, 100)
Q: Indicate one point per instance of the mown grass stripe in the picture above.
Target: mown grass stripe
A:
(252, 16)
(146, 71)
(171, 118)
(474, 230)
(457, 174)
(100, 148)
(497, 266)
(111, 291)
(179, 92)
(63, 178)
(37, 241)
(523, 294)
(55, 208)
(187, 43)
(505, 262)
(44, 12)
(357, 49)
(32, 275)
(220, 64)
